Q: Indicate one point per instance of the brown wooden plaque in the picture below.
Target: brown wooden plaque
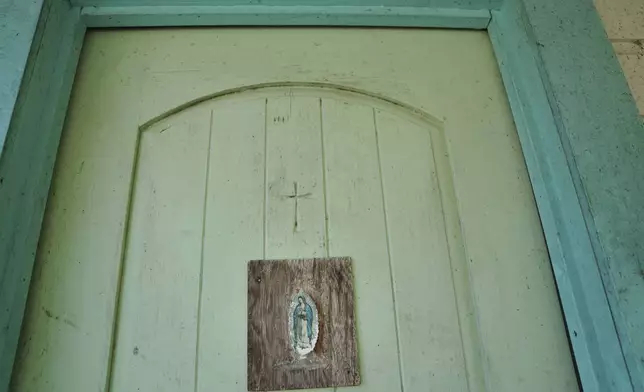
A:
(301, 325)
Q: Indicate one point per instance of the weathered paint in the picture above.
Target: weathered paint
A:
(603, 138)
(369, 155)
(455, 4)
(27, 160)
(599, 358)
(18, 21)
(584, 87)
(286, 16)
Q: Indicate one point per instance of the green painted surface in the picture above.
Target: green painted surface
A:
(563, 58)
(18, 21)
(459, 4)
(285, 16)
(604, 139)
(598, 355)
(27, 162)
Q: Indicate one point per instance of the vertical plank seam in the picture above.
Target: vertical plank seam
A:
(295, 206)
(324, 184)
(265, 234)
(121, 267)
(451, 266)
(203, 246)
(324, 195)
(391, 269)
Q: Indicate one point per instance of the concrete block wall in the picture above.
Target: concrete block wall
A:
(624, 23)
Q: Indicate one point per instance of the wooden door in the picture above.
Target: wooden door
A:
(187, 153)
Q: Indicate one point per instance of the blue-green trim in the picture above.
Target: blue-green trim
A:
(598, 354)
(27, 162)
(285, 16)
(450, 4)
(603, 138)
(18, 22)
(578, 126)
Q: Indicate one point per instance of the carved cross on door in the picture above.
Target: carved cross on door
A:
(296, 196)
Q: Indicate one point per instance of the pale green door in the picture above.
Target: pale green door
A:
(187, 153)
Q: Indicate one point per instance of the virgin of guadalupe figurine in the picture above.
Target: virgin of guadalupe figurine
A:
(304, 324)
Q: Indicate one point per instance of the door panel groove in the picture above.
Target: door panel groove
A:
(235, 233)
(264, 219)
(203, 245)
(121, 265)
(327, 240)
(388, 238)
(470, 384)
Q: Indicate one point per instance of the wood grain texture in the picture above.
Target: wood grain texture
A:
(272, 364)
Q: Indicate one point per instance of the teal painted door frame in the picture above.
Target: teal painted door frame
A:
(579, 128)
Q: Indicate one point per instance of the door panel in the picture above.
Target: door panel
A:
(290, 127)
(357, 228)
(295, 194)
(234, 231)
(158, 303)
(399, 155)
(420, 262)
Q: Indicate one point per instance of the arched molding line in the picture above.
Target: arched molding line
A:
(223, 94)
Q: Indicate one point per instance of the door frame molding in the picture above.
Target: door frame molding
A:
(577, 122)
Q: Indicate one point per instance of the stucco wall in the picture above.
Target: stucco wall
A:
(624, 23)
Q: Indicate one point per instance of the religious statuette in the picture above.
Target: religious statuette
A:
(303, 324)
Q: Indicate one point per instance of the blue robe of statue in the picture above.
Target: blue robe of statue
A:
(299, 317)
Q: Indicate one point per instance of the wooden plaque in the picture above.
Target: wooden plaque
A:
(301, 325)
